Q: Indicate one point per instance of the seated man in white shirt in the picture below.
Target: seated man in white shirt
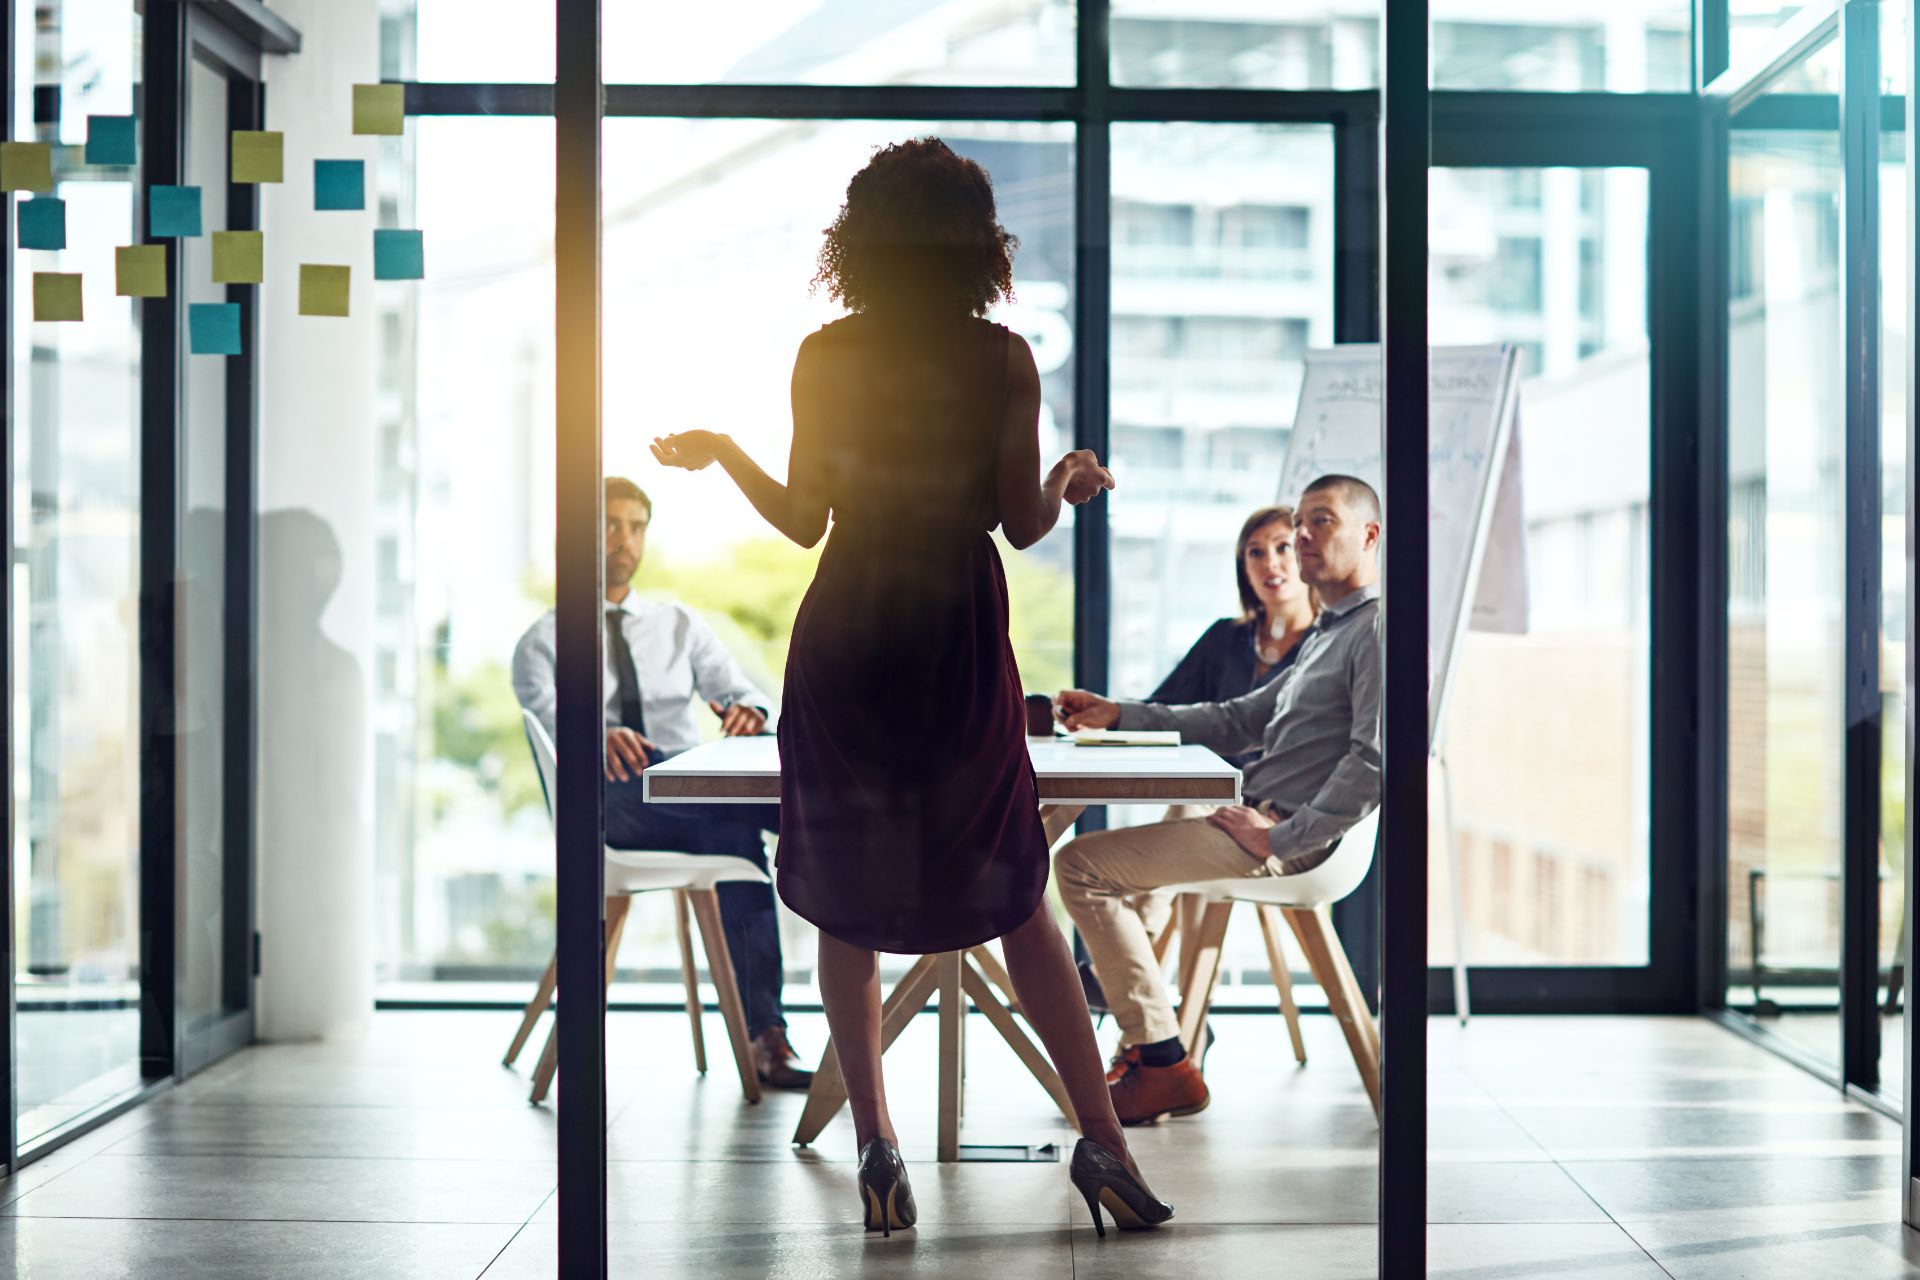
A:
(661, 658)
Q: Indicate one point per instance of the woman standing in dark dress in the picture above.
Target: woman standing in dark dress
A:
(909, 814)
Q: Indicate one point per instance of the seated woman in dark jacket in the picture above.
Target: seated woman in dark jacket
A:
(1235, 656)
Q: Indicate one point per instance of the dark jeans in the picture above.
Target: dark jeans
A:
(746, 910)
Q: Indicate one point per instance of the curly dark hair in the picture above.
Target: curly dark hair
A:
(918, 231)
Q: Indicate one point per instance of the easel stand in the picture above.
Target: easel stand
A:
(1461, 1007)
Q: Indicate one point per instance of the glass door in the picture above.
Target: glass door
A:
(75, 504)
(213, 622)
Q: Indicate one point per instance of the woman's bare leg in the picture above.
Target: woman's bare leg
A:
(850, 993)
(1048, 984)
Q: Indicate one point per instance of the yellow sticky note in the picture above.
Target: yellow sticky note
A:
(140, 271)
(323, 290)
(238, 257)
(26, 166)
(379, 108)
(56, 296)
(258, 156)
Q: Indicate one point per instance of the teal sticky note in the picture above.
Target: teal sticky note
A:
(110, 140)
(174, 212)
(213, 328)
(399, 255)
(339, 184)
(43, 223)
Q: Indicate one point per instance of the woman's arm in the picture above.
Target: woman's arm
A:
(798, 509)
(1028, 512)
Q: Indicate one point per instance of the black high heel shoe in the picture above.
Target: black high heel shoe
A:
(886, 1196)
(1103, 1180)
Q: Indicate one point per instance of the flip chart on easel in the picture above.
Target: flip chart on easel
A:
(1476, 536)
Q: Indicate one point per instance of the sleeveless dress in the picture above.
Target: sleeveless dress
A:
(909, 814)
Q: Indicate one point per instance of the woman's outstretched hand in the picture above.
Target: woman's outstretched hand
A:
(688, 450)
(1085, 477)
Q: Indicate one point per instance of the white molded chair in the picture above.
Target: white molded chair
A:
(1303, 900)
(691, 877)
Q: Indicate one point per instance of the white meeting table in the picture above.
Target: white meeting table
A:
(747, 771)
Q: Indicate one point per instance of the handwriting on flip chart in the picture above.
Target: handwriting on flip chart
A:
(1472, 399)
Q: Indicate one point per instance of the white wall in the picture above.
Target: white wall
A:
(316, 499)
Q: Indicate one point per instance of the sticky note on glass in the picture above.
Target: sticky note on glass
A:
(339, 184)
(140, 271)
(56, 296)
(110, 140)
(238, 257)
(258, 156)
(379, 108)
(43, 223)
(174, 212)
(213, 328)
(323, 290)
(399, 255)
(26, 166)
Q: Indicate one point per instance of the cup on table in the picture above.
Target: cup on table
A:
(1039, 715)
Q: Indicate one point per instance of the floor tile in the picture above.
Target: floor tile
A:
(90, 1249)
(1847, 1189)
(757, 1251)
(1531, 1252)
(390, 1190)
(425, 1133)
(1763, 1248)
(806, 1190)
(1183, 1248)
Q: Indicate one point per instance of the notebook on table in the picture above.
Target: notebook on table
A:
(1126, 738)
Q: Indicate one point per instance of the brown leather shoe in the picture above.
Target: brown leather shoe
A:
(1146, 1094)
(778, 1065)
(1123, 1061)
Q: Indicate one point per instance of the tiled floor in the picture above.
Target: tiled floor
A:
(1559, 1147)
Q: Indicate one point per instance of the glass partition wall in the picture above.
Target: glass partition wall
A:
(1690, 222)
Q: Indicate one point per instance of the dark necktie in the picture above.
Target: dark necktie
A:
(628, 683)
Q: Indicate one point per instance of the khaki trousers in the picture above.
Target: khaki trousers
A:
(1107, 882)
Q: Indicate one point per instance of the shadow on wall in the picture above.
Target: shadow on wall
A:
(315, 836)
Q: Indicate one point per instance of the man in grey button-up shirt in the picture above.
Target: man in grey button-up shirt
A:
(1317, 727)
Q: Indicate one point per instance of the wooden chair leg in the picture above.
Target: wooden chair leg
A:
(688, 978)
(1314, 931)
(1163, 941)
(542, 997)
(1343, 970)
(550, 1055)
(616, 925)
(706, 911)
(1282, 977)
(1197, 996)
(543, 1073)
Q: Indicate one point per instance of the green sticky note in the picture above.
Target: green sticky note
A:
(43, 223)
(110, 140)
(26, 166)
(238, 257)
(140, 271)
(56, 296)
(379, 108)
(213, 328)
(323, 290)
(258, 156)
(399, 255)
